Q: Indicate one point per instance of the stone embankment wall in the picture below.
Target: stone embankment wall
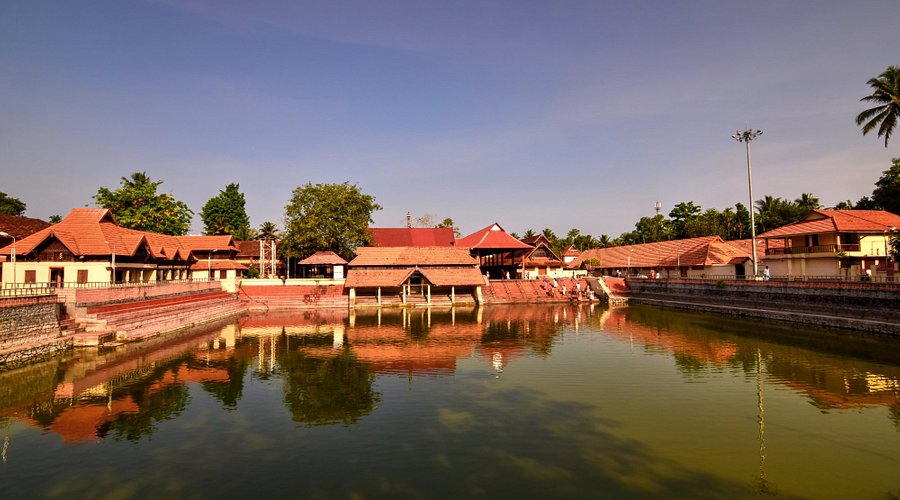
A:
(29, 327)
(873, 307)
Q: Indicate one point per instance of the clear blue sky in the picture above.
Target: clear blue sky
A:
(555, 114)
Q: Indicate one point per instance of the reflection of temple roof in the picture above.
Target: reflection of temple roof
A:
(391, 349)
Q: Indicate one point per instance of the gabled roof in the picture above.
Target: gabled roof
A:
(571, 251)
(412, 256)
(533, 240)
(492, 237)
(208, 243)
(19, 227)
(540, 244)
(94, 232)
(838, 221)
(323, 258)
(412, 236)
(705, 251)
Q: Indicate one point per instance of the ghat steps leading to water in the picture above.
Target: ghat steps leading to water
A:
(136, 320)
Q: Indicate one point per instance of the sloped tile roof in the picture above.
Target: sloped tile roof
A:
(217, 265)
(412, 256)
(705, 251)
(247, 249)
(21, 227)
(837, 221)
(208, 243)
(363, 278)
(492, 237)
(466, 276)
(323, 258)
(94, 232)
(412, 236)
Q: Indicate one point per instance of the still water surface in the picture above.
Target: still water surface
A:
(500, 402)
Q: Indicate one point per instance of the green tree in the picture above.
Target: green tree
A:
(653, 229)
(137, 205)
(681, 214)
(886, 94)
(226, 213)
(529, 233)
(448, 222)
(776, 212)
(807, 202)
(10, 205)
(267, 231)
(887, 189)
(327, 217)
(55, 219)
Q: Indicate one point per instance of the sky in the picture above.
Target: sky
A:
(532, 114)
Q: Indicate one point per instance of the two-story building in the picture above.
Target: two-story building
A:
(850, 244)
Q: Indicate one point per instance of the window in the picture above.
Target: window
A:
(82, 276)
(30, 276)
(223, 274)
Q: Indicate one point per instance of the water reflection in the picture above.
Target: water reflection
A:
(327, 363)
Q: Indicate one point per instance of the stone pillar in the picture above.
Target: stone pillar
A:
(453, 295)
(352, 297)
(428, 292)
(379, 296)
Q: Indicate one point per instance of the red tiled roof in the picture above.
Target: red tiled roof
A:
(323, 258)
(837, 221)
(247, 249)
(412, 256)
(362, 278)
(466, 276)
(94, 232)
(571, 252)
(208, 243)
(492, 237)
(705, 251)
(411, 236)
(217, 265)
(20, 227)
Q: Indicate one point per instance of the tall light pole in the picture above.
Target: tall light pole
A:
(7, 235)
(746, 136)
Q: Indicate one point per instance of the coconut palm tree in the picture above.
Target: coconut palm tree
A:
(267, 231)
(887, 95)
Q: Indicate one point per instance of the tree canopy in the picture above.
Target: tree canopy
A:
(10, 205)
(886, 94)
(137, 205)
(226, 213)
(327, 217)
(887, 189)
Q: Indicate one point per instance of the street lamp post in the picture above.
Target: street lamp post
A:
(746, 136)
(7, 235)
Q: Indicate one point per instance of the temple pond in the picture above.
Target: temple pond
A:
(549, 401)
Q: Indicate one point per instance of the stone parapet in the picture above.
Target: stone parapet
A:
(844, 305)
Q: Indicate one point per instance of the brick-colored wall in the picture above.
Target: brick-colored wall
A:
(96, 296)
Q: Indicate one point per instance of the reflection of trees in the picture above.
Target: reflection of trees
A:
(157, 399)
(228, 392)
(163, 404)
(327, 390)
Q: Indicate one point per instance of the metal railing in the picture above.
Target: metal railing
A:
(813, 249)
(810, 278)
(25, 288)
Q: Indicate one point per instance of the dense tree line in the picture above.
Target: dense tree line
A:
(689, 220)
